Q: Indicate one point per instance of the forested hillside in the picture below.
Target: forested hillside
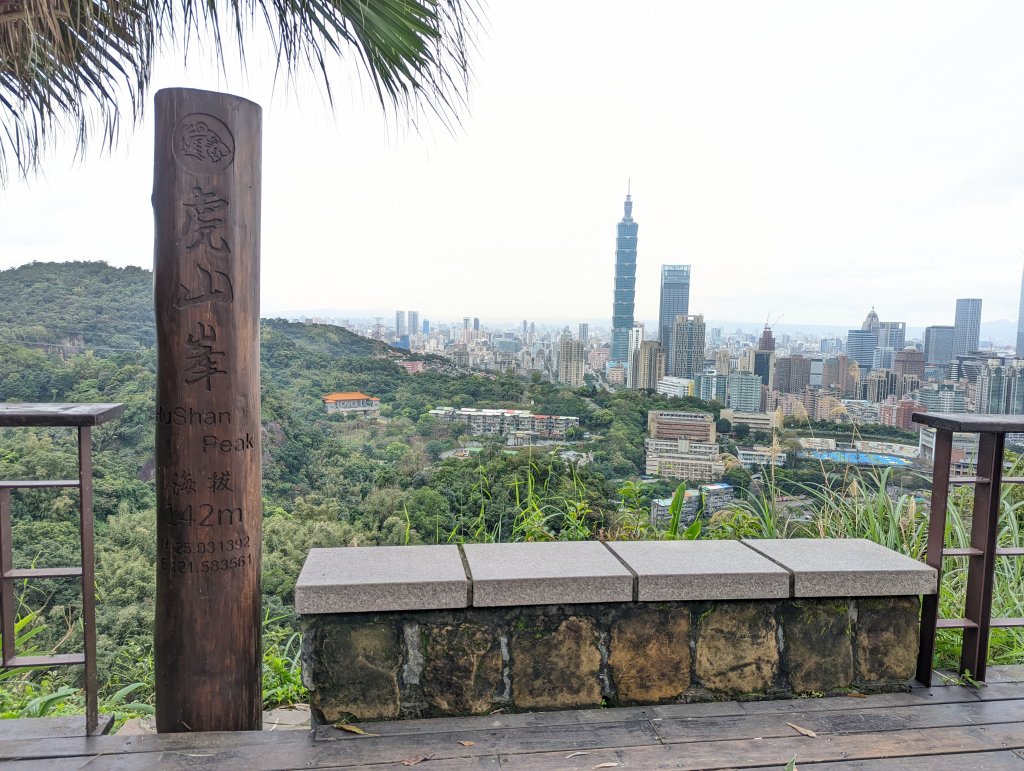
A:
(84, 332)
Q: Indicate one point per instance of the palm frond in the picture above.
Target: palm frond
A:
(73, 64)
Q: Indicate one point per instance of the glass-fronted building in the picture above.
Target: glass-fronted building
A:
(625, 283)
(675, 301)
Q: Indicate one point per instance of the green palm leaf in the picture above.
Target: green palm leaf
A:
(84, 64)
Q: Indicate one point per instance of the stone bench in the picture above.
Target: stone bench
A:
(415, 631)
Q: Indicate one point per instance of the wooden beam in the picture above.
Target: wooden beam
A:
(206, 202)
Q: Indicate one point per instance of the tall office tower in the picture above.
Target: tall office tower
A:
(860, 347)
(688, 346)
(767, 341)
(584, 334)
(625, 282)
(648, 366)
(400, 328)
(871, 322)
(1020, 321)
(426, 326)
(675, 301)
(938, 346)
(966, 326)
(571, 362)
(892, 334)
(723, 361)
(764, 366)
(476, 325)
(465, 323)
(414, 323)
(526, 328)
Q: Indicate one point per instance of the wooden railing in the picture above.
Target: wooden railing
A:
(983, 551)
(82, 417)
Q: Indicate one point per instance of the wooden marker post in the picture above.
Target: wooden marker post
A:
(206, 205)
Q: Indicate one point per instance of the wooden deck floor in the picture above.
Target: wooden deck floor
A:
(935, 729)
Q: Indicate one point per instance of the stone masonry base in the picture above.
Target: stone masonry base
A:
(405, 664)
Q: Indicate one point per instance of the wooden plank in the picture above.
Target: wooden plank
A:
(265, 749)
(975, 761)
(115, 744)
(777, 752)
(37, 484)
(1006, 673)
(22, 573)
(48, 727)
(528, 719)
(994, 691)
(948, 694)
(21, 414)
(56, 660)
(972, 423)
(876, 721)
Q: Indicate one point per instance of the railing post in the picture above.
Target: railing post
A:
(936, 543)
(86, 532)
(7, 615)
(981, 564)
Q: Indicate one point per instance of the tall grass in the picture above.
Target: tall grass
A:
(860, 505)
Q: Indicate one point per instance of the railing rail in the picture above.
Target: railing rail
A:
(983, 551)
(83, 417)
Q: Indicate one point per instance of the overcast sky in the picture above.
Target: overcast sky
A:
(807, 158)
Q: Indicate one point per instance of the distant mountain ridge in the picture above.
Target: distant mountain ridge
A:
(93, 305)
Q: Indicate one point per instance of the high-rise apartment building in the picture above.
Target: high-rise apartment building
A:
(675, 301)
(400, 328)
(723, 361)
(966, 326)
(584, 332)
(767, 341)
(625, 282)
(793, 374)
(743, 392)
(476, 324)
(571, 362)
(414, 323)
(636, 336)
(648, 366)
(688, 346)
(1001, 388)
(938, 346)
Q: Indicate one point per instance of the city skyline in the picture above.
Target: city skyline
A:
(792, 171)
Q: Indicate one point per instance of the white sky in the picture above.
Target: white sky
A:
(807, 158)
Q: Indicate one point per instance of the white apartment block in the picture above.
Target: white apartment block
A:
(683, 459)
(504, 422)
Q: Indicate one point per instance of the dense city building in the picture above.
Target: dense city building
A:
(571, 362)
(687, 346)
(674, 302)
(743, 392)
(400, 328)
(648, 366)
(507, 422)
(667, 424)
(684, 459)
(860, 347)
(1020, 321)
(677, 387)
(625, 282)
(938, 346)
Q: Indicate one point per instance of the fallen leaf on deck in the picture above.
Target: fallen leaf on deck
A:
(416, 761)
(467, 744)
(801, 729)
(856, 695)
(352, 729)
(574, 754)
(607, 765)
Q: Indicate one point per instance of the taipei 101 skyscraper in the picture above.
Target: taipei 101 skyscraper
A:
(625, 283)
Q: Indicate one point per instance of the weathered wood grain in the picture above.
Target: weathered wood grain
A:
(20, 414)
(206, 204)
